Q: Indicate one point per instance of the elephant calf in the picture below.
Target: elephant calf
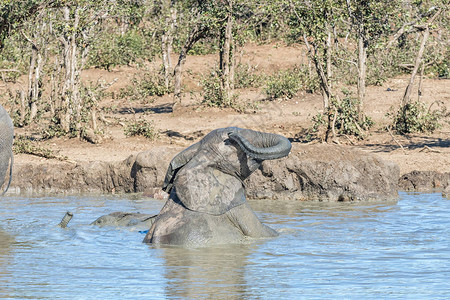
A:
(207, 203)
(6, 142)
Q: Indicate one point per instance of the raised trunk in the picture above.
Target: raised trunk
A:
(273, 145)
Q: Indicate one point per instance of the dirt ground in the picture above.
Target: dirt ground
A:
(191, 121)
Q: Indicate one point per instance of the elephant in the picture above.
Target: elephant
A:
(6, 142)
(123, 219)
(207, 203)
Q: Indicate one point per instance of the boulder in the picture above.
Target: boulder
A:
(71, 178)
(324, 172)
(151, 167)
(423, 181)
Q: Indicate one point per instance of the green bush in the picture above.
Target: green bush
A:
(213, 93)
(115, 49)
(141, 127)
(245, 77)
(347, 117)
(287, 83)
(26, 146)
(414, 117)
(284, 84)
(147, 85)
(344, 114)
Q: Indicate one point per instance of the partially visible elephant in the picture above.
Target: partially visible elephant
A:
(207, 203)
(6, 141)
(122, 219)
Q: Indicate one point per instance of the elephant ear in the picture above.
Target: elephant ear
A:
(177, 163)
(208, 190)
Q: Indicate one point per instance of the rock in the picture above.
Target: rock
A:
(151, 167)
(68, 177)
(325, 173)
(422, 181)
(446, 192)
(92, 137)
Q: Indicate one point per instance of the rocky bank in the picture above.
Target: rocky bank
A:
(317, 172)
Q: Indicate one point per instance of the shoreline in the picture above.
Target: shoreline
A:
(144, 173)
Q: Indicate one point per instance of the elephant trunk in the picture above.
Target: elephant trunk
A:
(266, 146)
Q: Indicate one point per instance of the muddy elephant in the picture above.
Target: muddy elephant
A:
(207, 203)
(6, 141)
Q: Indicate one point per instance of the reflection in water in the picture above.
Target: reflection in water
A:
(5, 256)
(217, 272)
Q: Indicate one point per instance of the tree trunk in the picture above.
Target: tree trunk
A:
(167, 40)
(361, 85)
(34, 74)
(225, 55)
(74, 74)
(31, 73)
(165, 60)
(426, 34)
(36, 88)
(232, 64)
(407, 95)
(419, 91)
(70, 112)
(65, 91)
(328, 55)
(194, 36)
(318, 63)
(173, 25)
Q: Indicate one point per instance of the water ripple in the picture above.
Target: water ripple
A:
(325, 250)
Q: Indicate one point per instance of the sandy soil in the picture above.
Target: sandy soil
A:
(191, 121)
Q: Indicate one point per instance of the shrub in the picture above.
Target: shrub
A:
(414, 117)
(287, 83)
(213, 93)
(141, 127)
(347, 117)
(147, 85)
(343, 115)
(245, 77)
(26, 146)
(115, 50)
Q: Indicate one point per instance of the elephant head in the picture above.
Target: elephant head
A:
(6, 141)
(207, 195)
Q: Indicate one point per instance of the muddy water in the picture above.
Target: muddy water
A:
(376, 250)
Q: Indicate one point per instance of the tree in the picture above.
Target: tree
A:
(203, 20)
(74, 27)
(314, 22)
(369, 19)
(169, 10)
(425, 28)
(13, 13)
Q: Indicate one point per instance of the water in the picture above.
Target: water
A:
(375, 250)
